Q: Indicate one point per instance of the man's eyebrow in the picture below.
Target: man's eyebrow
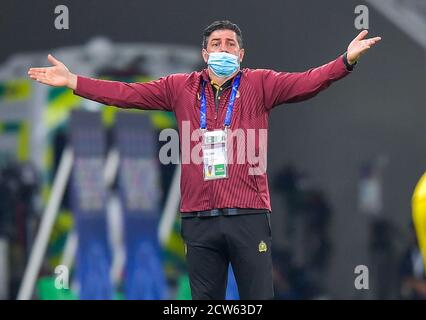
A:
(217, 39)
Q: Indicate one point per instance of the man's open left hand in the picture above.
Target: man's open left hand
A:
(359, 46)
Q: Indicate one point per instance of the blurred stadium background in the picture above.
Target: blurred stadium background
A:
(343, 166)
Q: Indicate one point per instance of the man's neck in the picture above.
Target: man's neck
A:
(219, 80)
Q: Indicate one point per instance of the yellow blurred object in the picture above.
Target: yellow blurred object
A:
(15, 90)
(419, 214)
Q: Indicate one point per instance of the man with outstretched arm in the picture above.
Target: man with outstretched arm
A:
(225, 203)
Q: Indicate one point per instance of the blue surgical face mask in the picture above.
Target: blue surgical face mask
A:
(223, 64)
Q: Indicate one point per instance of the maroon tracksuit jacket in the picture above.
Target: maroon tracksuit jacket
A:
(260, 90)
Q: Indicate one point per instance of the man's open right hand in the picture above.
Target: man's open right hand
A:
(58, 75)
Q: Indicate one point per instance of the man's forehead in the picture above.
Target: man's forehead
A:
(223, 34)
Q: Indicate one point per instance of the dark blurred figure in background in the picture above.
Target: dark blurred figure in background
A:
(303, 265)
(18, 187)
(286, 182)
(292, 281)
(383, 255)
(412, 271)
(383, 234)
(317, 240)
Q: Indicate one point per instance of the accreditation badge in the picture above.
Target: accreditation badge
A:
(215, 162)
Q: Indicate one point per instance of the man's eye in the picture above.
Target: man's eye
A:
(214, 44)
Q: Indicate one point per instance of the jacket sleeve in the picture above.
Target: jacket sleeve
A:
(287, 87)
(153, 95)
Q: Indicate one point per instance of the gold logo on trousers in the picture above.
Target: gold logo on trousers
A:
(262, 246)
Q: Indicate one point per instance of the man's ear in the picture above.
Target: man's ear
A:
(242, 51)
(205, 55)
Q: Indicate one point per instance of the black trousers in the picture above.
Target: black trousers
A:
(211, 243)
